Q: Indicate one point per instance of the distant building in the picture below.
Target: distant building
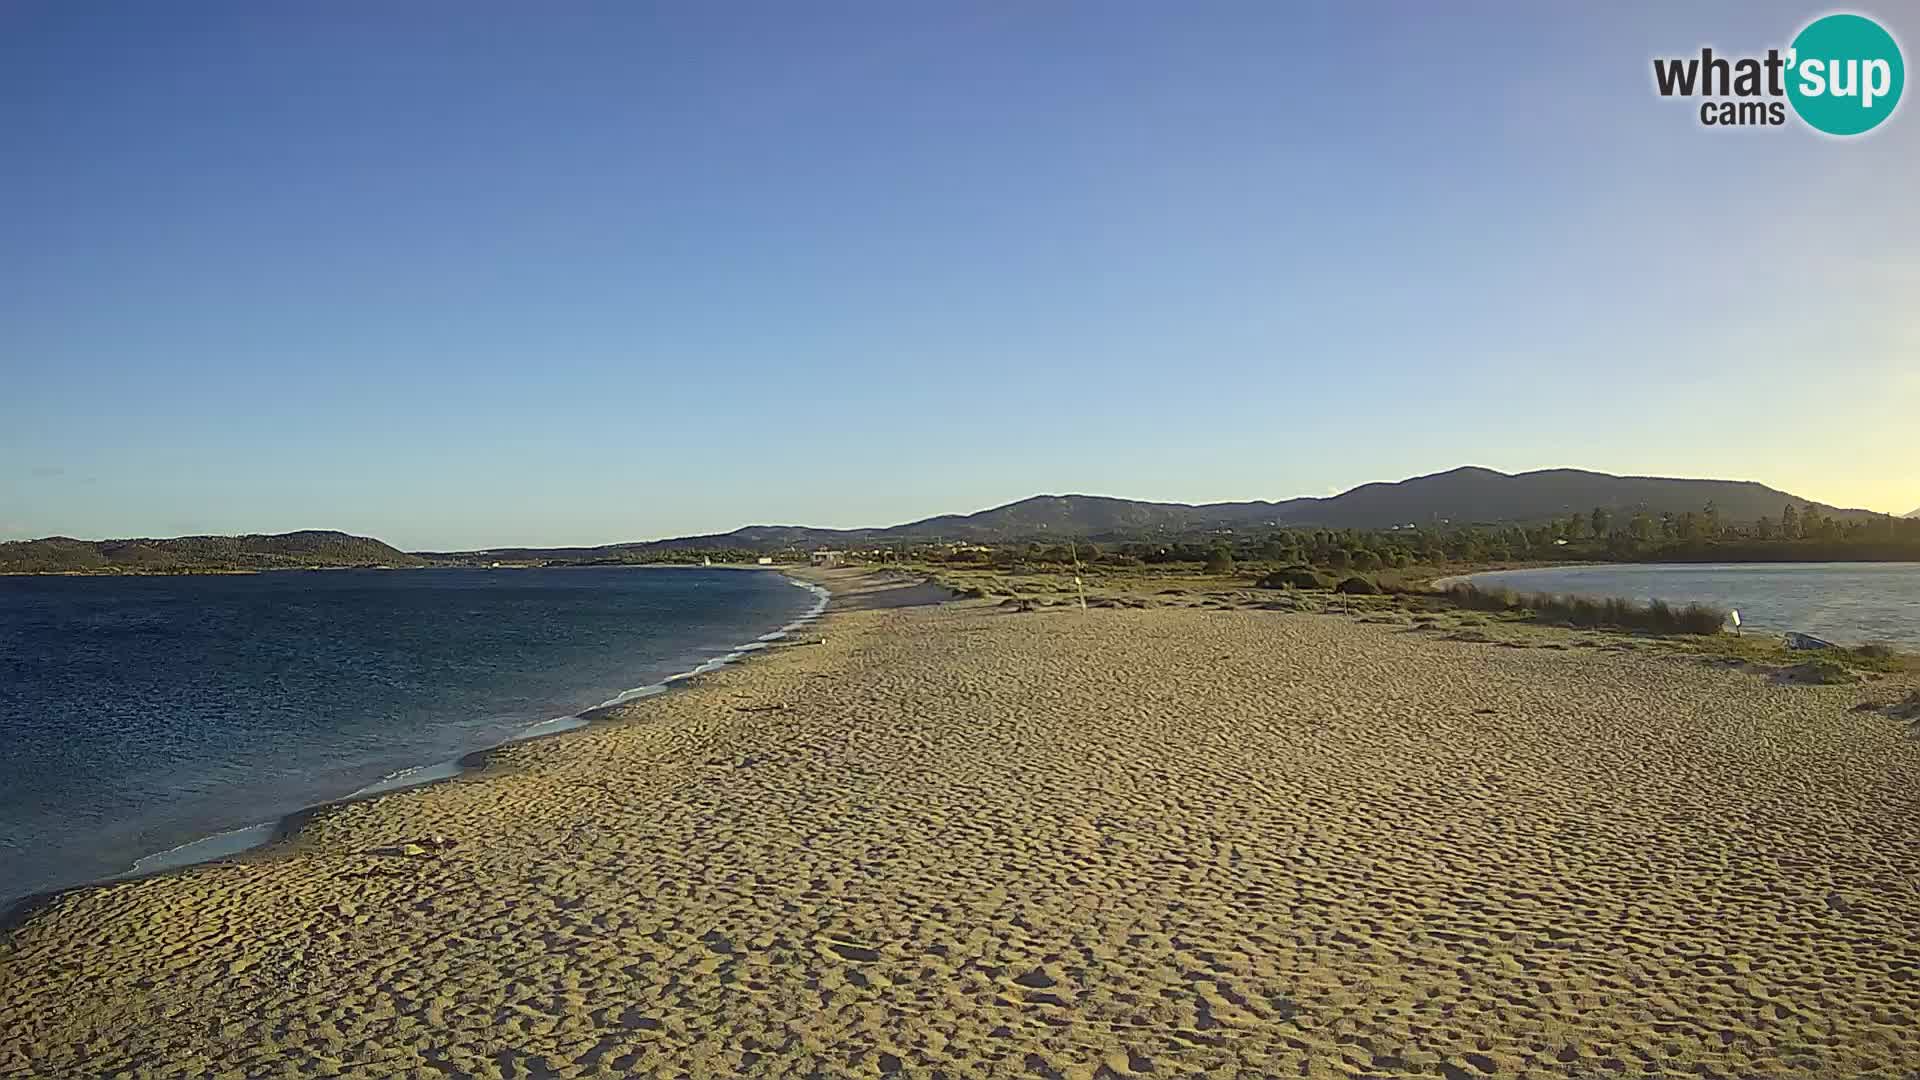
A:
(825, 557)
(765, 560)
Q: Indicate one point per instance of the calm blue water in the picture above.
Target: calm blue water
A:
(1848, 603)
(137, 714)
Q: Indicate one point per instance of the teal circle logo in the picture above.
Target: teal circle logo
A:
(1844, 74)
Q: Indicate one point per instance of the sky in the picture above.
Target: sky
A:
(468, 275)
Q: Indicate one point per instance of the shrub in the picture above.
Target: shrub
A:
(1657, 616)
(1358, 586)
(1479, 599)
(1295, 577)
(1220, 561)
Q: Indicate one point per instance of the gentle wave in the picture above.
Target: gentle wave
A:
(232, 842)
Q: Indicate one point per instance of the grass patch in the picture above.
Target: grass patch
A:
(1772, 652)
(1820, 671)
(1656, 617)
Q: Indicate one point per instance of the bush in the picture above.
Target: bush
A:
(1476, 598)
(1295, 577)
(1358, 586)
(1657, 617)
(1220, 561)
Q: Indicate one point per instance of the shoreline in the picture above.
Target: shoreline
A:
(1853, 632)
(257, 840)
(229, 571)
(1201, 834)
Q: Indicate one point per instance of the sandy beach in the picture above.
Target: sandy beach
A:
(957, 840)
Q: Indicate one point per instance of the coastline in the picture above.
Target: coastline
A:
(968, 837)
(257, 840)
(1850, 603)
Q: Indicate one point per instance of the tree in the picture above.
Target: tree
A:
(1576, 526)
(1711, 519)
(1642, 527)
(1812, 524)
(1763, 528)
(1220, 560)
(1790, 523)
(1601, 519)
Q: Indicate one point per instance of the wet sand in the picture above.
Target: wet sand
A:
(957, 840)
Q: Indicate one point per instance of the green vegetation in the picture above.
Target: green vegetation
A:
(1220, 560)
(1397, 556)
(1657, 617)
(1465, 613)
(1798, 534)
(200, 554)
(1799, 665)
(1295, 577)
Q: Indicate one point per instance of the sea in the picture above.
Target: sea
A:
(150, 722)
(1846, 603)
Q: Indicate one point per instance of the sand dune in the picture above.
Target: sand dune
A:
(953, 840)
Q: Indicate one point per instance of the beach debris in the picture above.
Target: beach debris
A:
(859, 954)
(1796, 640)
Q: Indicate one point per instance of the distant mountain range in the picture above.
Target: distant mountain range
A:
(284, 551)
(1465, 495)
(1460, 496)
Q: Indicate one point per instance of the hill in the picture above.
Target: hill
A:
(1472, 494)
(1467, 495)
(1463, 496)
(184, 554)
(1914, 514)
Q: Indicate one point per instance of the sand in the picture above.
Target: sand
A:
(957, 840)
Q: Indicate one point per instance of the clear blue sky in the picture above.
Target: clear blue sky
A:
(461, 275)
